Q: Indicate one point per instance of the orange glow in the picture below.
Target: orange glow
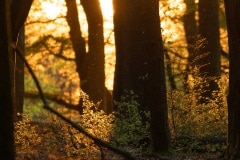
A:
(172, 31)
(107, 8)
(52, 9)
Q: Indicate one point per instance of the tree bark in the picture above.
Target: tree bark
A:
(78, 44)
(19, 13)
(7, 150)
(12, 16)
(209, 54)
(140, 63)
(18, 79)
(90, 65)
(95, 84)
(232, 10)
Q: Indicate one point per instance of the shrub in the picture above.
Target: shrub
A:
(128, 127)
(189, 118)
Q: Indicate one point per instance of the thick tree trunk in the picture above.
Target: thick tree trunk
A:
(209, 54)
(19, 13)
(157, 100)
(140, 63)
(232, 8)
(7, 150)
(12, 16)
(18, 79)
(130, 51)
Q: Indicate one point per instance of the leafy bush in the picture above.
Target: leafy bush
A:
(26, 136)
(95, 121)
(189, 118)
(128, 126)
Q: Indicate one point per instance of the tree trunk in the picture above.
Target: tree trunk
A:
(19, 13)
(7, 150)
(78, 44)
(12, 17)
(95, 84)
(140, 63)
(18, 80)
(90, 66)
(157, 101)
(232, 9)
(209, 54)
(191, 32)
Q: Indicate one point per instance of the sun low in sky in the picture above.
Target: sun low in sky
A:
(52, 9)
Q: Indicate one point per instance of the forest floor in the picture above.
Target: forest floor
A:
(48, 142)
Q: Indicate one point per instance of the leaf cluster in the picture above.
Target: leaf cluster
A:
(128, 128)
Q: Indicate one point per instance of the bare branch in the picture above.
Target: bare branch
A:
(53, 97)
(42, 43)
(46, 21)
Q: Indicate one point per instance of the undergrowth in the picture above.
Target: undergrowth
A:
(193, 126)
(129, 129)
(47, 135)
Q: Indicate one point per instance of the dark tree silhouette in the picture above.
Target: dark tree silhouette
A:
(209, 54)
(140, 63)
(18, 78)
(19, 12)
(96, 59)
(78, 42)
(12, 17)
(232, 9)
(90, 65)
(7, 150)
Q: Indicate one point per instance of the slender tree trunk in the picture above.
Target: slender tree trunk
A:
(96, 75)
(232, 10)
(90, 66)
(78, 44)
(118, 21)
(191, 32)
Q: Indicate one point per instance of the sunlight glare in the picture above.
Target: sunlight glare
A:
(51, 10)
(107, 8)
